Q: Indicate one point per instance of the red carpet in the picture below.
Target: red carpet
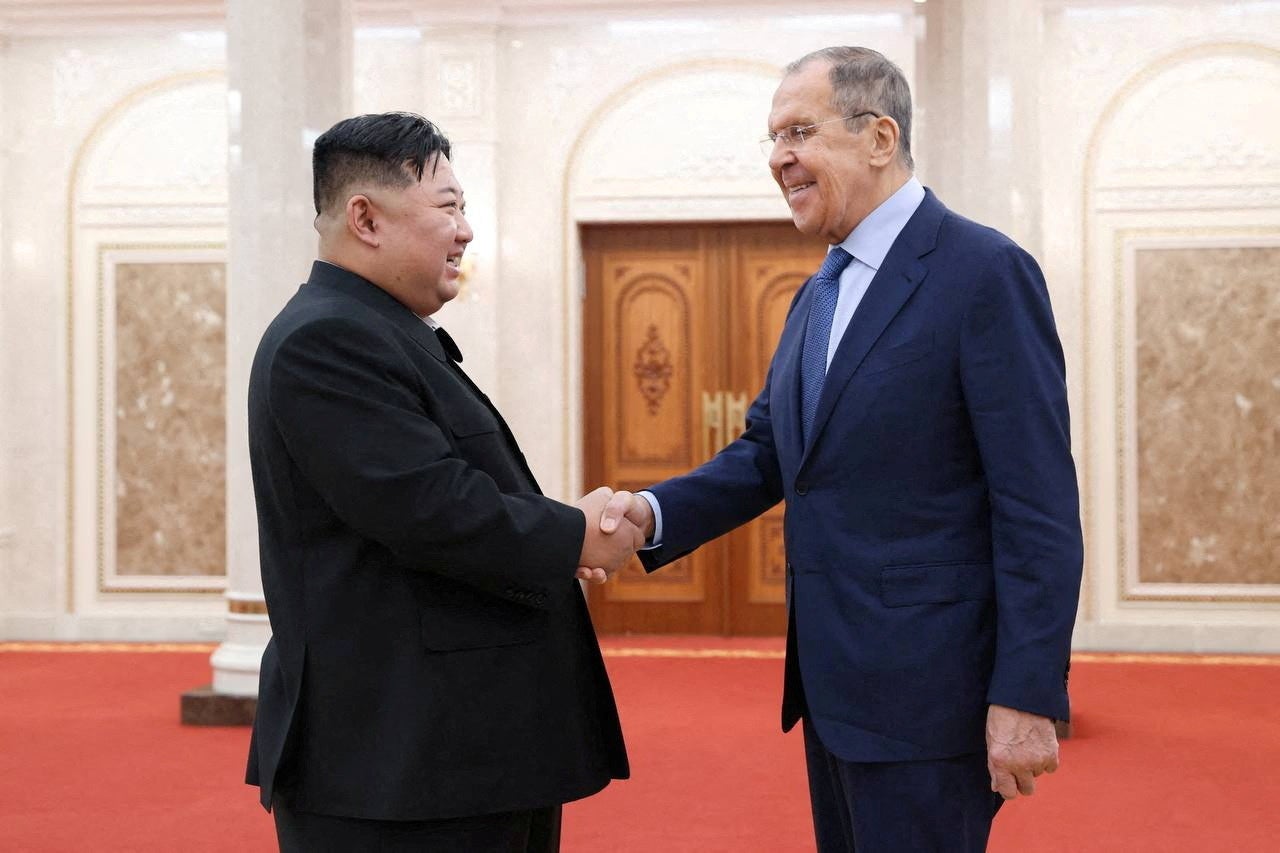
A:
(1167, 756)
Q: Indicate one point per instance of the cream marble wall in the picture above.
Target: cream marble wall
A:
(57, 92)
(1163, 134)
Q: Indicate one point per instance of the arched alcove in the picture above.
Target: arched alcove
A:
(146, 289)
(1182, 239)
(680, 143)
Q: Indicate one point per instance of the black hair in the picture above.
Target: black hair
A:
(386, 149)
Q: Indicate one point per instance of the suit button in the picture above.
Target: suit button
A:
(802, 488)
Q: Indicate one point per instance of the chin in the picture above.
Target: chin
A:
(804, 224)
(447, 291)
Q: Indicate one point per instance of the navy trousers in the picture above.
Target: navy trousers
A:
(536, 831)
(899, 807)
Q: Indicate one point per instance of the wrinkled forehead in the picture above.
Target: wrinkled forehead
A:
(803, 97)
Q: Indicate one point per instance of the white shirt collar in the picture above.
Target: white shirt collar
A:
(874, 236)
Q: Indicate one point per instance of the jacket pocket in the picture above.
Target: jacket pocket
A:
(471, 420)
(451, 629)
(936, 583)
(880, 360)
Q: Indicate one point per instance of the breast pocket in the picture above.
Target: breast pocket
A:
(884, 358)
(472, 420)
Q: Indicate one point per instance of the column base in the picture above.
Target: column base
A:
(203, 707)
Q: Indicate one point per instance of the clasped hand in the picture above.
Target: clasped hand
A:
(616, 529)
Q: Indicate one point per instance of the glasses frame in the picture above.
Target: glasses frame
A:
(795, 136)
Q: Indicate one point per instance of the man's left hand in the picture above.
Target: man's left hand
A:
(1020, 746)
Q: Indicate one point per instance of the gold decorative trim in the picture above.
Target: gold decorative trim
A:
(250, 608)
(90, 140)
(568, 224)
(1125, 238)
(751, 654)
(1088, 198)
(680, 654)
(1180, 659)
(144, 648)
(169, 250)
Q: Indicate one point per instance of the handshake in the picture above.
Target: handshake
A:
(618, 525)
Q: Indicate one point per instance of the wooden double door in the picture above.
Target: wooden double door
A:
(680, 324)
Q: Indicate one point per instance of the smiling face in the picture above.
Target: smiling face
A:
(829, 181)
(422, 236)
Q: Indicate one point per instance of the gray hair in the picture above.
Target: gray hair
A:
(863, 79)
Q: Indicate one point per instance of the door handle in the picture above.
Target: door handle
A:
(712, 423)
(735, 415)
(724, 417)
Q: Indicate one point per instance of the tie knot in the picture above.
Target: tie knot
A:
(837, 259)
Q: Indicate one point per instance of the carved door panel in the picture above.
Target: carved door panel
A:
(648, 358)
(767, 265)
(680, 324)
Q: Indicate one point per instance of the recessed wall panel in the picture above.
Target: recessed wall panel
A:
(1208, 414)
(170, 423)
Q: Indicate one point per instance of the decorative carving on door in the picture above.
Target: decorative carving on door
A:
(653, 369)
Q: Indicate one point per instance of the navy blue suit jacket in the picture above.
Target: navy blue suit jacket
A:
(932, 518)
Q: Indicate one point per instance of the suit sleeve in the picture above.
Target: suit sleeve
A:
(344, 402)
(1014, 384)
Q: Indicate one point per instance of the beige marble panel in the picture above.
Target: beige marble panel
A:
(170, 418)
(1208, 410)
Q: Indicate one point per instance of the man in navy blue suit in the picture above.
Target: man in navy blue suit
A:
(914, 419)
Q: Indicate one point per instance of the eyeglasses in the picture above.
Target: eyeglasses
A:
(794, 137)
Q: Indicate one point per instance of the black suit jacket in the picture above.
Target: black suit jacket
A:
(432, 655)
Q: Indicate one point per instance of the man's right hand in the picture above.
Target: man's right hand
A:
(632, 508)
(606, 550)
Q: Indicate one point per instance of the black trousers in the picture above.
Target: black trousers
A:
(535, 831)
(942, 806)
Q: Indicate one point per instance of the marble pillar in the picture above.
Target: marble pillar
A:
(977, 122)
(6, 531)
(289, 79)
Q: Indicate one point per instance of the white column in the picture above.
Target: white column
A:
(977, 110)
(289, 79)
(6, 532)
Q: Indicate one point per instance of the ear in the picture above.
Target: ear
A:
(884, 141)
(363, 221)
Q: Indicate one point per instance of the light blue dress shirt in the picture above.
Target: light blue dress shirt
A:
(868, 243)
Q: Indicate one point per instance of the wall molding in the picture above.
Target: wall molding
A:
(1129, 241)
(82, 156)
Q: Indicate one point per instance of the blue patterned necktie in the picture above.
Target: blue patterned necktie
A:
(817, 335)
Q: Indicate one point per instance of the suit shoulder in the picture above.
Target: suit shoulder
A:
(979, 238)
(309, 315)
(982, 248)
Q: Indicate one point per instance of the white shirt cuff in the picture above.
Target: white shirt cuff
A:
(657, 521)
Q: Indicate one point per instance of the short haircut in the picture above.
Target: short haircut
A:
(387, 149)
(863, 79)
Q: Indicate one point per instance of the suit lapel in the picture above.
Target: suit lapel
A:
(787, 378)
(893, 284)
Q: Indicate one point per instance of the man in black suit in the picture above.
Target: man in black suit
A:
(433, 682)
